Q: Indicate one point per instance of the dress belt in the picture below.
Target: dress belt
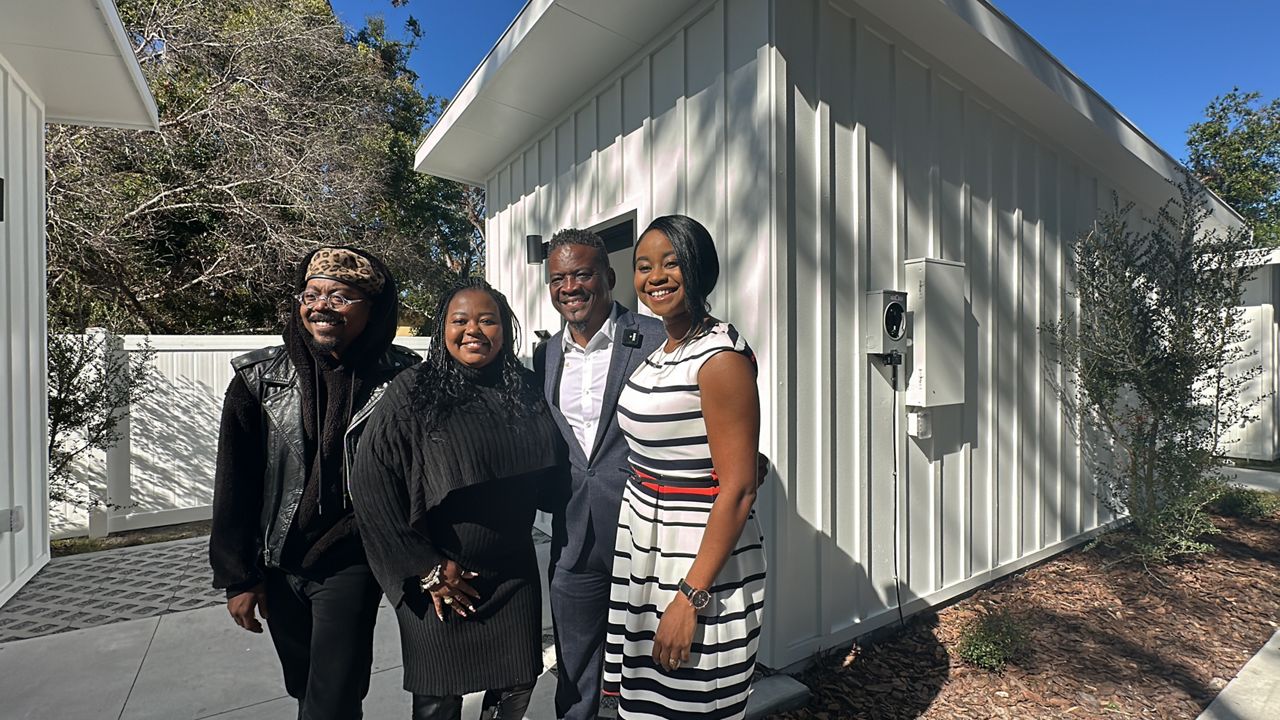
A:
(645, 476)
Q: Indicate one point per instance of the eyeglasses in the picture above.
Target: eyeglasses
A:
(335, 301)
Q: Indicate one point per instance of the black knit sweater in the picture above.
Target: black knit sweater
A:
(466, 492)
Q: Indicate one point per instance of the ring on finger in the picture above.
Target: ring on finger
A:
(448, 600)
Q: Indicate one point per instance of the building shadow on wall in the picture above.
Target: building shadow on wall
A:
(895, 670)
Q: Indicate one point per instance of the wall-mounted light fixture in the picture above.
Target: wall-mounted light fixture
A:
(535, 251)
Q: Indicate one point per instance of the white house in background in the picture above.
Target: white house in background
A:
(1260, 439)
(833, 148)
(61, 61)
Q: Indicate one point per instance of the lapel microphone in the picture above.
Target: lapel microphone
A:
(632, 339)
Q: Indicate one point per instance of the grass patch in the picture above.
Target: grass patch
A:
(993, 640)
(79, 545)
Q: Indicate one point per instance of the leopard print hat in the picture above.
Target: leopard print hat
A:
(343, 265)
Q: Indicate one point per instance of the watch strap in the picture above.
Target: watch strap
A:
(690, 593)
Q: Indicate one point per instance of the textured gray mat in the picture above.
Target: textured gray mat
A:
(83, 591)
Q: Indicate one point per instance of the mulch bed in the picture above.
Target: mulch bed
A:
(1108, 639)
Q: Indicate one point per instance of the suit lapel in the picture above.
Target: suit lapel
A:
(620, 365)
(551, 388)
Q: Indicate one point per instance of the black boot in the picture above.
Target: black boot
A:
(437, 707)
(508, 704)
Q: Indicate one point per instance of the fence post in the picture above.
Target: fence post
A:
(120, 455)
(114, 487)
(99, 515)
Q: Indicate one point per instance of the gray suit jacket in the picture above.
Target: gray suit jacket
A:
(596, 479)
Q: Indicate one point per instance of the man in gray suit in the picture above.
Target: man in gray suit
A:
(584, 368)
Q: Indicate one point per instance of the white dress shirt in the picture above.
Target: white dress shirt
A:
(583, 381)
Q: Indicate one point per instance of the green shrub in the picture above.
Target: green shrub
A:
(1241, 502)
(993, 640)
(1158, 364)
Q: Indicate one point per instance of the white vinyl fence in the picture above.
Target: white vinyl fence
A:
(1260, 439)
(161, 472)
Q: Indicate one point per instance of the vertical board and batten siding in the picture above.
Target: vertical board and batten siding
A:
(683, 127)
(22, 322)
(655, 138)
(889, 156)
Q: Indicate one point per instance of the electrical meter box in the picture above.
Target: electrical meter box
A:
(886, 322)
(935, 300)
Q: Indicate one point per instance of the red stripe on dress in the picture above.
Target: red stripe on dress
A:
(672, 490)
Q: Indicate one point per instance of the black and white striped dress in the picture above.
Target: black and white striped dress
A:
(664, 512)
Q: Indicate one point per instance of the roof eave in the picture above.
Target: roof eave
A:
(116, 27)
(75, 59)
(1049, 76)
(527, 80)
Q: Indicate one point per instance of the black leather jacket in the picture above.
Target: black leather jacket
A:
(272, 379)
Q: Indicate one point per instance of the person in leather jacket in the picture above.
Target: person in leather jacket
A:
(284, 542)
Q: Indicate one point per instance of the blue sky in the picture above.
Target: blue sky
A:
(1157, 61)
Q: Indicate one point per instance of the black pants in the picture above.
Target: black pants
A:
(323, 633)
(498, 705)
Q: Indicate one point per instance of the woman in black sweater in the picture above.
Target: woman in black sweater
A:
(445, 486)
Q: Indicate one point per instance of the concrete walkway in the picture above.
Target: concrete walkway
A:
(1264, 480)
(176, 664)
(1255, 693)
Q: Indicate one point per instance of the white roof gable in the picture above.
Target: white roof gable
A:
(553, 53)
(76, 57)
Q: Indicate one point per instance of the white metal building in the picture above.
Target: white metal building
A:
(825, 144)
(61, 61)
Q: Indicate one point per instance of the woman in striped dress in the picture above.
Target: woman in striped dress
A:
(689, 567)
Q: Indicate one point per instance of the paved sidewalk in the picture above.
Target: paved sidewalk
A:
(1254, 694)
(146, 659)
(1264, 480)
(138, 634)
(97, 647)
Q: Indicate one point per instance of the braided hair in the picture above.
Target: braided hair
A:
(444, 385)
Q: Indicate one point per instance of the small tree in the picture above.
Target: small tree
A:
(91, 386)
(1157, 364)
(1235, 151)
